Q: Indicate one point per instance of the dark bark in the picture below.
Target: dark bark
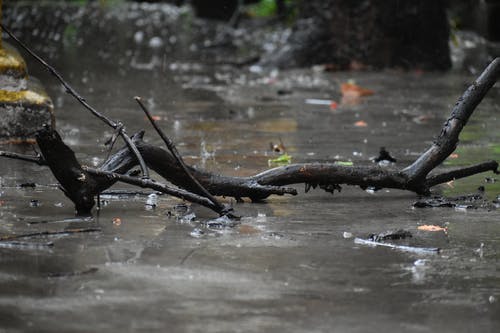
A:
(447, 140)
(82, 184)
(376, 33)
(76, 183)
(163, 163)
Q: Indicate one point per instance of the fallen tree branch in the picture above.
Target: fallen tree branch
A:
(80, 183)
(330, 175)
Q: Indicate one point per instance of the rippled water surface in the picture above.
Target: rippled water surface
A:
(291, 264)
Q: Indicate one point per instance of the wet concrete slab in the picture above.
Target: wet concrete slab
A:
(291, 263)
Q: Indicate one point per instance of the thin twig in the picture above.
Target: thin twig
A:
(27, 158)
(148, 183)
(447, 140)
(25, 245)
(72, 92)
(91, 270)
(447, 176)
(70, 220)
(420, 250)
(49, 233)
(171, 146)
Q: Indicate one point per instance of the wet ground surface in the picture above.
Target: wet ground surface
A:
(291, 263)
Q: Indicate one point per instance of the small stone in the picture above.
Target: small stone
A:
(347, 235)
(34, 203)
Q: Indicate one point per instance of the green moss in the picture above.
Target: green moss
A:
(264, 8)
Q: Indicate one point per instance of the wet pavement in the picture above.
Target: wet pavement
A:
(291, 263)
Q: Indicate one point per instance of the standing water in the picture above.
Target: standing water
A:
(291, 264)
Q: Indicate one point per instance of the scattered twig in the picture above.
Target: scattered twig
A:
(421, 250)
(91, 270)
(70, 220)
(25, 245)
(49, 233)
(27, 158)
(72, 92)
(110, 193)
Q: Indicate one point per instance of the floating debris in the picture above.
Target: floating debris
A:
(69, 220)
(361, 123)
(421, 250)
(73, 273)
(187, 218)
(197, 233)
(390, 235)
(351, 89)
(220, 223)
(344, 163)
(460, 203)
(331, 103)
(427, 227)
(34, 203)
(347, 234)
(281, 160)
(25, 245)
(151, 201)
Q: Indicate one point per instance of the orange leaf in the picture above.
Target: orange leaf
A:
(155, 118)
(353, 90)
(427, 227)
(361, 123)
(454, 156)
(117, 221)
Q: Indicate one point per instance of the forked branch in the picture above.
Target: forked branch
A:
(81, 183)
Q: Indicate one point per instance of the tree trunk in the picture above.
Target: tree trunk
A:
(372, 33)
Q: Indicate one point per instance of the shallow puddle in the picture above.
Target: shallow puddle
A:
(291, 263)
